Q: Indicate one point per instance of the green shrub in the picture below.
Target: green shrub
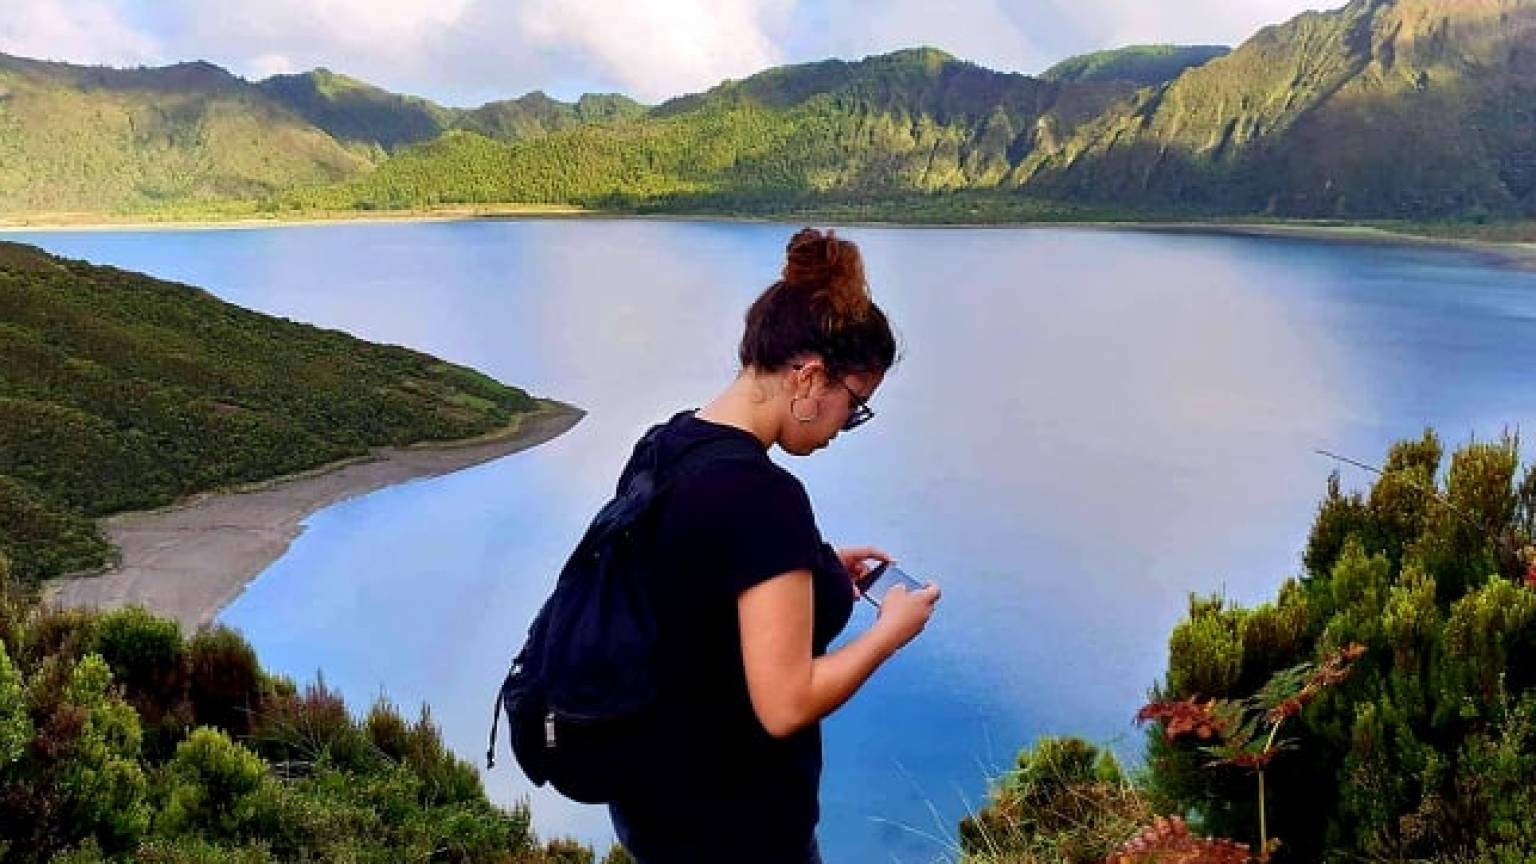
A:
(209, 786)
(75, 769)
(1205, 652)
(1399, 759)
(15, 722)
(565, 851)
(78, 779)
(312, 728)
(149, 660)
(1489, 634)
(618, 855)
(55, 632)
(193, 850)
(225, 683)
(1339, 517)
(1065, 800)
(388, 730)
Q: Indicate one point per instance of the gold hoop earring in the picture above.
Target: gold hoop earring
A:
(797, 416)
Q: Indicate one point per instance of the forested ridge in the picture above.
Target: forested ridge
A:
(1377, 110)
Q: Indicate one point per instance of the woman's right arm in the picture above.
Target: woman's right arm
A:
(791, 689)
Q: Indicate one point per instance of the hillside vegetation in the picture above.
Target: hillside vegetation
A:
(1146, 65)
(1384, 108)
(1423, 749)
(122, 740)
(105, 140)
(913, 121)
(119, 391)
(1404, 110)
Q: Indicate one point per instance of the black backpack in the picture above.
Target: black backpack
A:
(581, 694)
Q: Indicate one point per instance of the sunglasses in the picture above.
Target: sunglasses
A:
(860, 414)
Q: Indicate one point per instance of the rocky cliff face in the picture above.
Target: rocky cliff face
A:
(1381, 108)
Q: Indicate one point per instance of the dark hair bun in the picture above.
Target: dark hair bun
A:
(821, 305)
(832, 271)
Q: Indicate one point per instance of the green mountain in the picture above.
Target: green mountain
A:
(912, 121)
(1384, 108)
(119, 391)
(1145, 65)
(536, 114)
(93, 139)
(101, 140)
(357, 112)
(1406, 109)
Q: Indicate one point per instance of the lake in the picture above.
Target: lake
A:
(1085, 427)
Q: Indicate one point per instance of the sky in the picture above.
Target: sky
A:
(465, 52)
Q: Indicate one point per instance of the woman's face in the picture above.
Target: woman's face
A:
(827, 401)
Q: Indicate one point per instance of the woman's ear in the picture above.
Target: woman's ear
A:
(801, 380)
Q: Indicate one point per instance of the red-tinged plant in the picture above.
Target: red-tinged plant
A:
(1168, 841)
(1190, 717)
(1245, 732)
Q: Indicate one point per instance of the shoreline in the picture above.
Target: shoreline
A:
(1516, 253)
(52, 223)
(189, 560)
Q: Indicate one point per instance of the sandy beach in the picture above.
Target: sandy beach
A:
(190, 560)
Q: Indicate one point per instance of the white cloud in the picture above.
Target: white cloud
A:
(78, 31)
(464, 51)
(981, 31)
(380, 28)
(1115, 23)
(656, 50)
(267, 65)
(395, 39)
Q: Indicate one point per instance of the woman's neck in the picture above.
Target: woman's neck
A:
(747, 405)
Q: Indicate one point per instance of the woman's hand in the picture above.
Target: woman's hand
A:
(904, 614)
(856, 561)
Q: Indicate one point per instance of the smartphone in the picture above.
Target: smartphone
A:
(879, 581)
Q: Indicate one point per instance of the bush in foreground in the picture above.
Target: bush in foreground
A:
(1426, 752)
(120, 741)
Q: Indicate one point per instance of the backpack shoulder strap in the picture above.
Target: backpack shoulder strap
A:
(649, 484)
(701, 455)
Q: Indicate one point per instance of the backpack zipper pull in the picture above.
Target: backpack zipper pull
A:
(549, 730)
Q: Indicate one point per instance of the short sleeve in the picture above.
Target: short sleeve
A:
(755, 521)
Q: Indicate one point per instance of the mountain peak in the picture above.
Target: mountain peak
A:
(1141, 64)
(922, 55)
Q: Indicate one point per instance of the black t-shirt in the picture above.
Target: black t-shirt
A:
(731, 789)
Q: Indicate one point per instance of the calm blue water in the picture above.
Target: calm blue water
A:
(1086, 427)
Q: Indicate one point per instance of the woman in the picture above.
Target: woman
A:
(753, 596)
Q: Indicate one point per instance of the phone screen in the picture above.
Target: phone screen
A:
(879, 581)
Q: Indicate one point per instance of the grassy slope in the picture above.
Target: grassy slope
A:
(103, 140)
(119, 391)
